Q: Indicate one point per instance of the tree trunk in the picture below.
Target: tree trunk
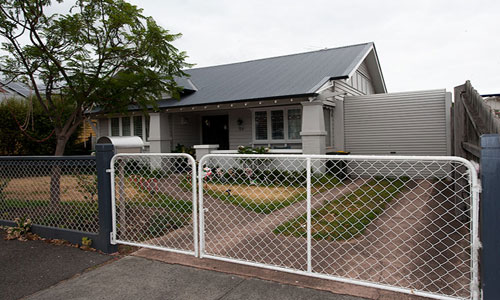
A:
(55, 177)
(61, 144)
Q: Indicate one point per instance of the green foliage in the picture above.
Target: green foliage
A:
(250, 150)
(78, 215)
(103, 54)
(14, 142)
(347, 217)
(87, 186)
(86, 241)
(183, 149)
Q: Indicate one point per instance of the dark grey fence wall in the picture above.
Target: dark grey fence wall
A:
(65, 197)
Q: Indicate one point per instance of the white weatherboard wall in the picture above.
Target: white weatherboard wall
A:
(409, 123)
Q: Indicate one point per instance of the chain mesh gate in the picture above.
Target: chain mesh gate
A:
(154, 201)
(407, 224)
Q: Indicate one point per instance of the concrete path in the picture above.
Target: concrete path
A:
(139, 278)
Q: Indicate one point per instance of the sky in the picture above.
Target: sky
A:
(420, 44)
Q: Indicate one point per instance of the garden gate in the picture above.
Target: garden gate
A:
(406, 224)
(154, 201)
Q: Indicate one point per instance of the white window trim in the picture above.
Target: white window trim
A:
(132, 128)
(269, 139)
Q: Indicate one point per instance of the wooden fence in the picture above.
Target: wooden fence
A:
(472, 117)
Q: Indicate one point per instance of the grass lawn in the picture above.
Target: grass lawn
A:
(348, 216)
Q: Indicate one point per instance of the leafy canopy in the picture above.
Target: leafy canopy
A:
(100, 53)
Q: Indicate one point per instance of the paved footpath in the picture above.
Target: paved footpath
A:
(139, 278)
(38, 270)
(27, 267)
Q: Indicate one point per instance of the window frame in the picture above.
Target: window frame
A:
(132, 128)
(269, 139)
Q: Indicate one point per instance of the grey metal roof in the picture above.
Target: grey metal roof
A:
(16, 88)
(291, 75)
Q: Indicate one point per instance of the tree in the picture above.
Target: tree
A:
(101, 53)
(15, 113)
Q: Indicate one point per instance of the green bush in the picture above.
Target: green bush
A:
(12, 139)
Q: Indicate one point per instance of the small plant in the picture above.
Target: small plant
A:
(250, 150)
(183, 149)
(20, 231)
(86, 243)
(87, 185)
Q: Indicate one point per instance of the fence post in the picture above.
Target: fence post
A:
(490, 212)
(104, 153)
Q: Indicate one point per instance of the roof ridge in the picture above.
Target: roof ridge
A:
(286, 55)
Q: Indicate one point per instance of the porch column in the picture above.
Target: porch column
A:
(159, 133)
(313, 128)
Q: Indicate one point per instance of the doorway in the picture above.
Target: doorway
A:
(215, 130)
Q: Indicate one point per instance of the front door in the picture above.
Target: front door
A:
(215, 131)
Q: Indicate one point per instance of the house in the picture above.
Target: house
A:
(292, 104)
(14, 90)
(20, 91)
(493, 100)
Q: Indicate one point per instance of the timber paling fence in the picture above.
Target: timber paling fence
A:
(472, 118)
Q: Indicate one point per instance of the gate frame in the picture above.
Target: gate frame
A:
(192, 162)
(475, 243)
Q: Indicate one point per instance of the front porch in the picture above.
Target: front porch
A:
(292, 126)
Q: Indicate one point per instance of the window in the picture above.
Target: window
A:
(328, 116)
(261, 125)
(280, 125)
(294, 123)
(147, 127)
(277, 123)
(115, 126)
(138, 126)
(126, 126)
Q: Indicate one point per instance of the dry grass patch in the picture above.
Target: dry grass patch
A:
(261, 199)
(38, 188)
(256, 194)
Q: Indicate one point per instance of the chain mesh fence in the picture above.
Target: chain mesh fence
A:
(51, 191)
(153, 201)
(396, 223)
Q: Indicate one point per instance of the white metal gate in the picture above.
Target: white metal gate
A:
(154, 201)
(406, 224)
